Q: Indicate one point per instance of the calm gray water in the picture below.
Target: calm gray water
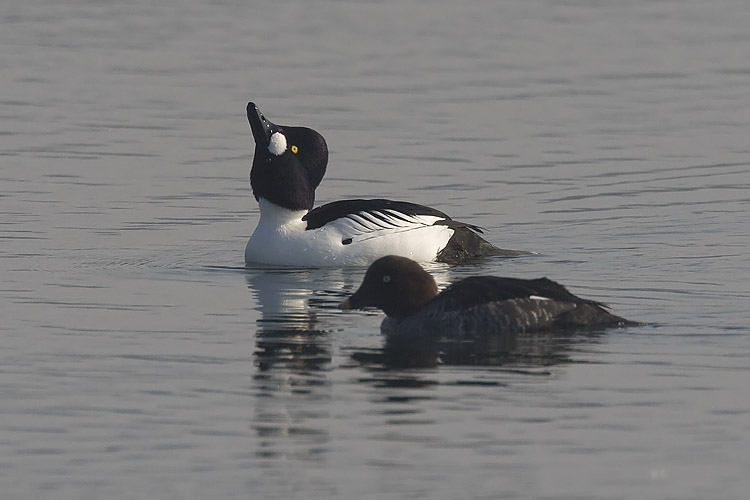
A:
(139, 359)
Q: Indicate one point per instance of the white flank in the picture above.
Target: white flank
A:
(277, 145)
(281, 239)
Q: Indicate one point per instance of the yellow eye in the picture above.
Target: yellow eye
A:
(294, 149)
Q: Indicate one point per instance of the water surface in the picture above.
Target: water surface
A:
(140, 359)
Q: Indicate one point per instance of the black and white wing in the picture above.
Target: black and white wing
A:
(362, 219)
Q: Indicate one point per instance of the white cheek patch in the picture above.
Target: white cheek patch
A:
(277, 145)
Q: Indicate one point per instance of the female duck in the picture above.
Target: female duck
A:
(472, 307)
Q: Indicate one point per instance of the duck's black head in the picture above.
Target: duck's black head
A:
(289, 162)
(397, 285)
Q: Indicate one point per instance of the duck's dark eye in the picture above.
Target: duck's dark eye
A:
(386, 279)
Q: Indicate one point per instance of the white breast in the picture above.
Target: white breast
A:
(281, 239)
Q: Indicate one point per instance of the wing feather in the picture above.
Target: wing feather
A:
(330, 212)
(361, 219)
(478, 290)
(366, 225)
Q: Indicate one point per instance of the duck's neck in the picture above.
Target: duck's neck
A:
(275, 215)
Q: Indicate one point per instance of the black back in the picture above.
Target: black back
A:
(321, 216)
(478, 290)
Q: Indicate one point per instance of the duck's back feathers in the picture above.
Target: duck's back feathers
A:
(382, 210)
(477, 290)
(496, 304)
(379, 213)
(361, 219)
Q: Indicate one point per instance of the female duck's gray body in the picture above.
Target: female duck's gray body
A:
(473, 307)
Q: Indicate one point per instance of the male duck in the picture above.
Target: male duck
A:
(288, 166)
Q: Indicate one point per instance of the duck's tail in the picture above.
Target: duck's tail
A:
(466, 245)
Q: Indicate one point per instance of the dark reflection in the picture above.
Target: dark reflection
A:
(287, 335)
(517, 350)
(291, 342)
(293, 356)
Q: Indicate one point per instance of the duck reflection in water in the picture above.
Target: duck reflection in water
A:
(292, 389)
(530, 350)
(288, 334)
